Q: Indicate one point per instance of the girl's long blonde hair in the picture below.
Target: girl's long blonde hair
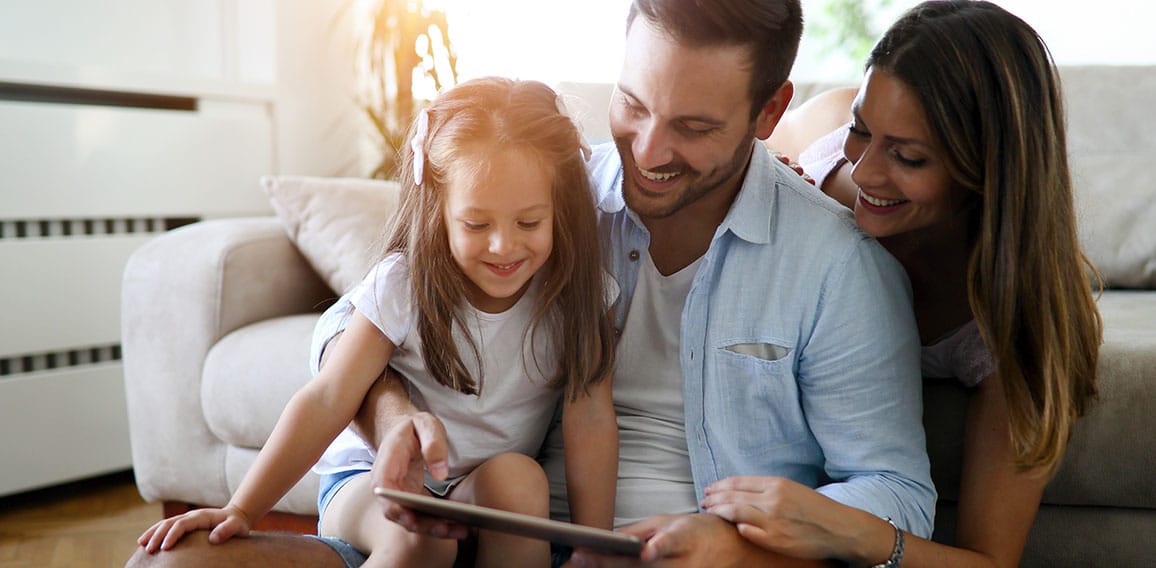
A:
(466, 123)
(992, 96)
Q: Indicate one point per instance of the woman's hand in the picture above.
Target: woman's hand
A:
(225, 524)
(790, 518)
(785, 159)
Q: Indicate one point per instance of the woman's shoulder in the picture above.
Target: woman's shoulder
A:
(801, 126)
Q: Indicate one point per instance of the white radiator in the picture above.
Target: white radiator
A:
(86, 178)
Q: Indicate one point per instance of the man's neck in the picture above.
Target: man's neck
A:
(682, 237)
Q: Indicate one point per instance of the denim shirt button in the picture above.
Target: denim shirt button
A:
(633, 256)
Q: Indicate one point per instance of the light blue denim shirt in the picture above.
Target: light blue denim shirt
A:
(799, 350)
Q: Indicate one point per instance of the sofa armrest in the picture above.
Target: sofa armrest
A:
(182, 292)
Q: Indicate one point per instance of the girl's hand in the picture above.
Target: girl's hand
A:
(225, 524)
(786, 517)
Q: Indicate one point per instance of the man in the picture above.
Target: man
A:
(761, 332)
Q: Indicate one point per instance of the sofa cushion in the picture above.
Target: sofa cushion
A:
(250, 375)
(338, 223)
(1111, 457)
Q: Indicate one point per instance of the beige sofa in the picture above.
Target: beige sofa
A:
(218, 315)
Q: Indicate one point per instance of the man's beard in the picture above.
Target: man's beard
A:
(695, 185)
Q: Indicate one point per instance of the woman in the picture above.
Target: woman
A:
(955, 159)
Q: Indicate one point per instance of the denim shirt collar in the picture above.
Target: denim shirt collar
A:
(606, 177)
(749, 215)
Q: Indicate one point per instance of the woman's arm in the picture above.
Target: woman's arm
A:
(590, 439)
(803, 125)
(997, 506)
(997, 503)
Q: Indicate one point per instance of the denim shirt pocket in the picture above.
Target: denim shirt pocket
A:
(764, 351)
(756, 403)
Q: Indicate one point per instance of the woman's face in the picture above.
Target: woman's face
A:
(902, 178)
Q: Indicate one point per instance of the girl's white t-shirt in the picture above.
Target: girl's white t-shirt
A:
(515, 404)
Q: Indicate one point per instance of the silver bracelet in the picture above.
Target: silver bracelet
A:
(897, 552)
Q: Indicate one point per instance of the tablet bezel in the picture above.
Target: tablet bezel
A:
(578, 536)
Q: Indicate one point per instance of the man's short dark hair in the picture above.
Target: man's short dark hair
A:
(770, 29)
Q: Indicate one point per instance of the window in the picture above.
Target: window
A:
(582, 41)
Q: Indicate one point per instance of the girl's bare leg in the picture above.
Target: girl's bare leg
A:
(355, 516)
(511, 482)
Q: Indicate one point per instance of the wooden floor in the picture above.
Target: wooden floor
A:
(93, 523)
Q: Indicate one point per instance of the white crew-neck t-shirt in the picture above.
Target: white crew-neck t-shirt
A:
(515, 404)
(654, 474)
(654, 466)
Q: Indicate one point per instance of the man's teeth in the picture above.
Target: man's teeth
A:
(655, 176)
(881, 202)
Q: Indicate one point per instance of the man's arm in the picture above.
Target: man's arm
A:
(692, 540)
(386, 404)
(861, 390)
(260, 550)
(408, 443)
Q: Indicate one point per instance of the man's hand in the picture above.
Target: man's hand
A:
(407, 450)
(678, 540)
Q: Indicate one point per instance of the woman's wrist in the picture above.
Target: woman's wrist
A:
(873, 543)
(896, 550)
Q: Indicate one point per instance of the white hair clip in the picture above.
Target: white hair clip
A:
(417, 144)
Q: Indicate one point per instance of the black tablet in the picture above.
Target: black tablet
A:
(599, 540)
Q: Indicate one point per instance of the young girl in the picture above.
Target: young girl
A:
(490, 300)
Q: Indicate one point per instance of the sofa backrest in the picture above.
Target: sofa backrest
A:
(1111, 147)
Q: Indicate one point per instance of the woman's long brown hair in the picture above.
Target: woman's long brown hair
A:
(992, 97)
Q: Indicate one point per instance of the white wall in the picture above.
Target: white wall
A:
(319, 126)
(83, 185)
(1117, 32)
(293, 56)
